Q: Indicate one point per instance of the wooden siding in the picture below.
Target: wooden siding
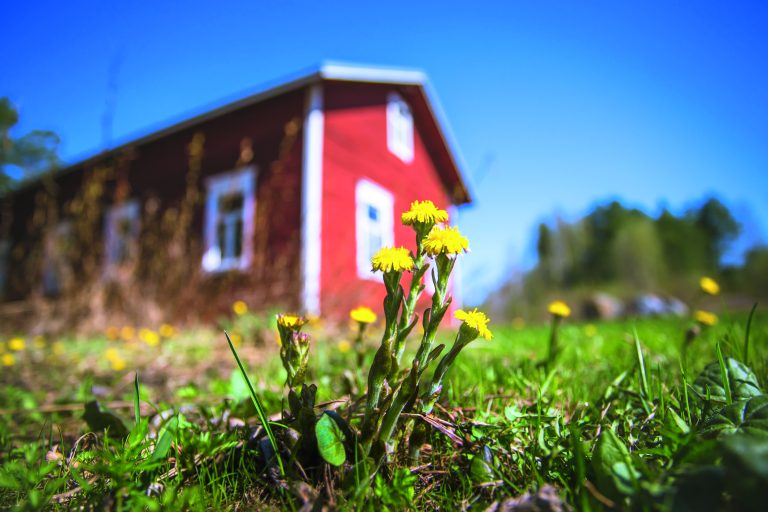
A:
(356, 147)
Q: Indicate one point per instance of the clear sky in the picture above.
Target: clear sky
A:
(555, 105)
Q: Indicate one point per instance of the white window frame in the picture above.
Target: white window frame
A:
(128, 210)
(371, 195)
(240, 181)
(400, 132)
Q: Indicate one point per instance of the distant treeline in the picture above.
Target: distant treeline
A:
(627, 252)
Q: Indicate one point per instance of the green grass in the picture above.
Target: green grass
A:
(615, 421)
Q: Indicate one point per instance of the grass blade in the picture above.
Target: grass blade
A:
(136, 399)
(641, 361)
(259, 407)
(724, 375)
(746, 334)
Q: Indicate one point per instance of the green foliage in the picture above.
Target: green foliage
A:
(612, 464)
(330, 440)
(741, 381)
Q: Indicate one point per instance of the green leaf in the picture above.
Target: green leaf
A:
(748, 416)
(330, 440)
(613, 466)
(165, 438)
(481, 467)
(136, 399)
(741, 380)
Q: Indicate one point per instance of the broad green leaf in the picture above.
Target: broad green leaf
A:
(742, 381)
(100, 418)
(165, 438)
(330, 440)
(748, 416)
(613, 465)
(481, 468)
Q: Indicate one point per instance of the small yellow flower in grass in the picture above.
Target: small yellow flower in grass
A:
(475, 320)
(363, 315)
(446, 241)
(424, 212)
(8, 359)
(167, 331)
(705, 317)
(127, 333)
(111, 354)
(237, 340)
(149, 337)
(392, 259)
(344, 346)
(117, 364)
(112, 333)
(17, 344)
(709, 286)
(39, 342)
(559, 308)
(58, 348)
(292, 322)
(240, 308)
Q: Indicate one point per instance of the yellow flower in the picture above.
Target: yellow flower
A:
(240, 308)
(17, 344)
(117, 364)
(445, 241)
(58, 348)
(112, 333)
(127, 333)
(392, 259)
(8, 359)
(167, 331)
(559, 308)
(237, 340)
(39, 342)
(293, 322)
(344, 346)
(424, 212)
(149, 337)
(705, 317)
(363, 315)
(111, 354)
(709, 285)
(475, 320)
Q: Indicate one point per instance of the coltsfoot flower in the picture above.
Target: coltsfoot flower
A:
(424, 212)
(446, 241)
(392, 259)
(167, 331)
(17, 344)
(705, 317)
(8, 359)
(240, 308)
(559, 308)
(363, 314)
(709, 286)
(476, 321)
(291, 322)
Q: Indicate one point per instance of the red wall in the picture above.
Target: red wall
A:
(158, 168)
(355, 147)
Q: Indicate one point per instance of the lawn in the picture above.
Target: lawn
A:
(619, 420)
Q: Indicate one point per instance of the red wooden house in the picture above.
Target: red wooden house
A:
(296, 187)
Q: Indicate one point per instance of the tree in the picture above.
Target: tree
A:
(719, 227)
(32, 153)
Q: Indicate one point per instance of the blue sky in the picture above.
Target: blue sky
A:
(555, 105)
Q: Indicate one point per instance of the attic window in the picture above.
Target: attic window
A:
(399, 128)
(229, 221)
(374, 224)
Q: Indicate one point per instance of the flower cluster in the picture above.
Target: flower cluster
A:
(424, 212)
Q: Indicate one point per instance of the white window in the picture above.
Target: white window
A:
(374, 224)
(229, 221)
(399, 128)
(57, 264)
(121, 236)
